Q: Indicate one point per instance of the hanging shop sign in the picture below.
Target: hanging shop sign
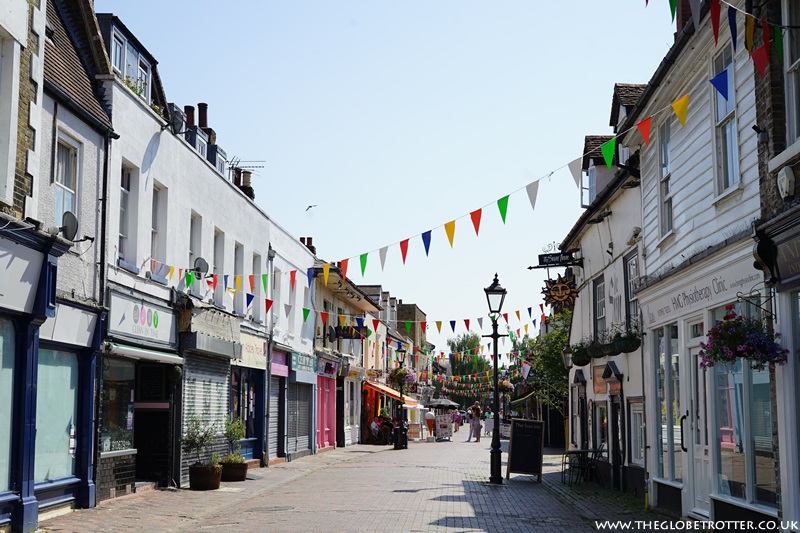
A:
(140, 320)
(327, 368)
(558, 259)
(560, 293)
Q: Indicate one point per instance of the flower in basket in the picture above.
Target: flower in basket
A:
(506, 386)
(741, 337)
(401, 376)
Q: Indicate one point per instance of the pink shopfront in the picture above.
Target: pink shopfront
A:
(327, 370)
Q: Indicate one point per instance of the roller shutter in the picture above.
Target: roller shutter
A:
(274, 428)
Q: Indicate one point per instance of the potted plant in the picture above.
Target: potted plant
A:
(627, 342)
(594, 348)
(611, 347)
(234, 467)
(738, 337)
(580, 355)
(197, 438)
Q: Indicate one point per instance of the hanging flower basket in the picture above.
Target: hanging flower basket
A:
(402, 376)
(595, 349)
(580, 357)
(738, 337)
(610, 348)
(505, 386)
(627, 344)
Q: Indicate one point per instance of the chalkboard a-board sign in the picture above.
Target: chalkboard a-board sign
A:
(526, 448)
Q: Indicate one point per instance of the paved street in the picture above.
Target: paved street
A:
(429, 487)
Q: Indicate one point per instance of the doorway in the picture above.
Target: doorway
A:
(152, 422)
(698, 426)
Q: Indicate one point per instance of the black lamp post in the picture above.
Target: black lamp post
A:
(495, 294)
(398, 441)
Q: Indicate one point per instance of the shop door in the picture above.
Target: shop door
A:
(698, 426)
(617, 441)
(299, 419)
(275, 428)
(152, 422)
(246, 405)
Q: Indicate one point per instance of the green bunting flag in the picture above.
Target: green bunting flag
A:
(189, 278)
(673, 4)
(363, 263)
(305, 313)
(408, 327)
(264, 281)
(502, 204)
(779, 42)
(608, 148)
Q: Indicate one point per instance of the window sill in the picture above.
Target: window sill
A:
(785, 157)
(118, 453)
(157, 278)
(667, 482)
(730, 500)
(670, 235)
(127, 266)
(727, 194)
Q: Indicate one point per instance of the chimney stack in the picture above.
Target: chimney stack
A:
(683, 14)
(189, 110)
(246, 185)
(302, 240)
(202, 111)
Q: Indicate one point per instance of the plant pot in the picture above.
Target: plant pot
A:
(204, 477)
(580, 357)
(234, 471)
(595, 349)
(628, 344)
(611, 348)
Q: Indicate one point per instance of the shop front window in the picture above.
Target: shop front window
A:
(243, 399)
(601, 426)
(56, 415)
(744, 428)
(6, 400)
(119, 378)
(668, 392)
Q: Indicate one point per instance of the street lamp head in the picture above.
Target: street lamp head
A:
(401, 355)
(566, 354)
(495, 294)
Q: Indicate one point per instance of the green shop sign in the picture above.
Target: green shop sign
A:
(303, 362)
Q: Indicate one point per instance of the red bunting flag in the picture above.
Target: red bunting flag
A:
(292, 278)
(268, 304)
(423, 325)
(375, 323)
(324, 316)
(505, 317)
(404, 249)
(644, 129)
(252, 280)
(466, 323)
(760, 60)
(344, 267)
(214, 282)
(715, 12)
(476, 219)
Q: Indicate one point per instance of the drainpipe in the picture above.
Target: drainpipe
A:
(268, 375)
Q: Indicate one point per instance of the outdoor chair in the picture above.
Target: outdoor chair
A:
(585, 466)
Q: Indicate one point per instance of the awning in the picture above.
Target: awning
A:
(142, 353)
(522, 398)
(390, 392)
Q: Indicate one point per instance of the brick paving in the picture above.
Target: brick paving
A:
(428, 487)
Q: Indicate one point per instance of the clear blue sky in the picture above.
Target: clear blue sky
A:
(397, 117)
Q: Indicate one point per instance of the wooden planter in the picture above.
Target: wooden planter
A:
(204, 477)
(234, 471)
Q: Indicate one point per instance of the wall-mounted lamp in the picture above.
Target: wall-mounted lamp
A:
(786, 182)
(634, 235)
(763, 135)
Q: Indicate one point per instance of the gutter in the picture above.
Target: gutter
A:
(68, 101)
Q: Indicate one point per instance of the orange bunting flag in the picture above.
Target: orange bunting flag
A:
(450, 229)
(292, 278)
(439, 325)
(644, 129)
(404, 249)
(476, 220)
(344, 267)
(681, 106)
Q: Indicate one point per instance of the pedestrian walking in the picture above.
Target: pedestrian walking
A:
(476, 422)
(456, 417)
(469, 424)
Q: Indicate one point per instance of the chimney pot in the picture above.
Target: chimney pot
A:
(302, 240)
(189, 110)
(309, 241)
(202, 111)
(246, 178)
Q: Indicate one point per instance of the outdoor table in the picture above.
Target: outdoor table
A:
(581, 457)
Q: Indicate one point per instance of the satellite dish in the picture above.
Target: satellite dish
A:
(201, 266)
(69, 225)
(331, 333)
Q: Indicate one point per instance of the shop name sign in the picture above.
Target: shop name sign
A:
(304, 363)
(719, 287)
(131, 317)
(558, 259)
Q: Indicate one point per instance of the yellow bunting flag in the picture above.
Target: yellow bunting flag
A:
(326, 268)
(439, 325)
(517, 314)
(171, 271)
(341, 320)
(238, 281)
(749, 29)
(450, 229)
(681, 106)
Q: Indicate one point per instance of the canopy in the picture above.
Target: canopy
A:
(390, 392)
(442, 402)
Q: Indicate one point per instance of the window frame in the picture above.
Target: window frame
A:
(158, 223)
(599, 301)
(636, 454)
(124, 213)
(726, 168)
(791, 71)
(666, 214)
(631, 301)
(74, 150)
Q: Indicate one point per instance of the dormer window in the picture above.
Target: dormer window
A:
(131, 66)
(118, 54)
(143, 80)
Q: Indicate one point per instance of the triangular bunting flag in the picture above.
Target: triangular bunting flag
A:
(426, 240)
(382, 255)
(533, 190)
(375, 323)
(476, 220)
(644, 129)
(343, 266)
(439, 325)
(359, 322)
(363, 259)
(326, 270)
(180, 275)
(292, 279)
(715, 12)
(287, 309)
(249, 298)
(732, 24)
(749, 30)
(530, 312)
(172, 271)
(306, 312)
(267, 304)
(341, 318)
(237, 280)
(760, 60)
(534, 322)
(263, 282)
(575, 168)
(408, 327)
(681, 106)
(310, 274)
(189, 278)
(450, 229)
(608, 149)
(214, 282)
(518, 314)
(423, 326)
(505, 317)
(480, 322)
(720, 83)
(466, 323)
(324, 316)
(526, 329)
(673, 4)
(502, 205)
(404, 249)
(252, 279)
(694, 5)
(453, 325)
